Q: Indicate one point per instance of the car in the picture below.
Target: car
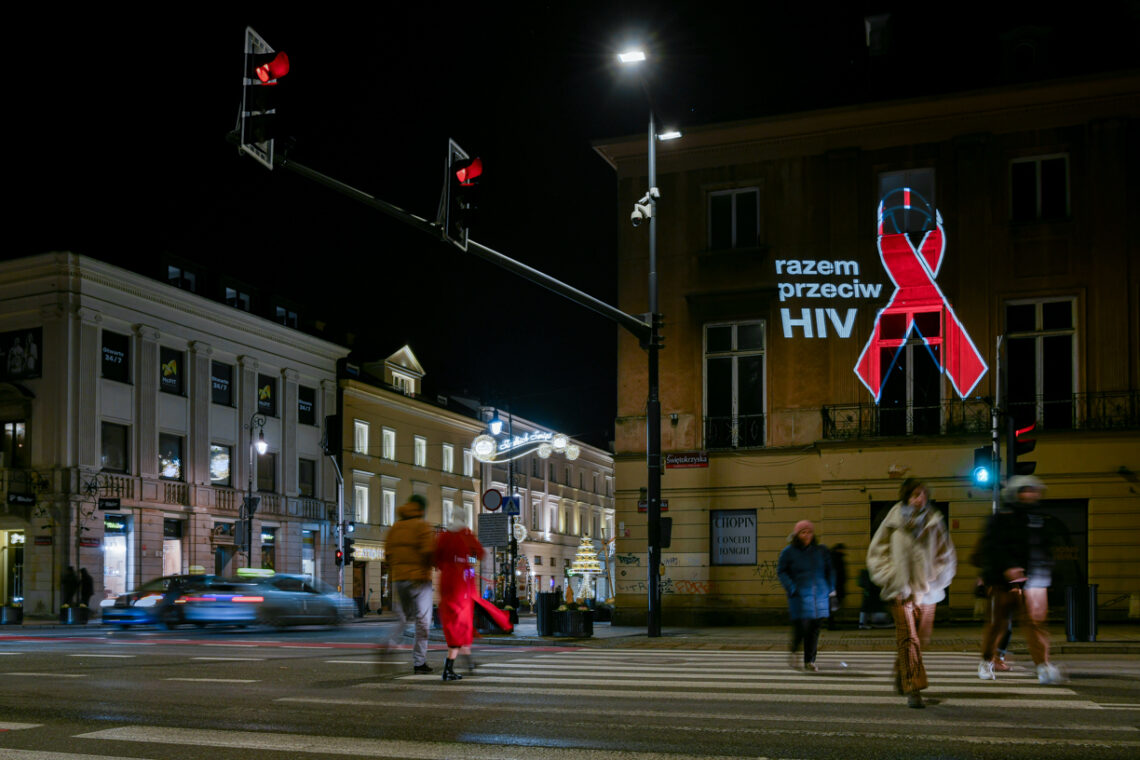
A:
(278, 600)
(152, 603)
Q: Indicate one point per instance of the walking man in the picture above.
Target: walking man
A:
(1017, 567)
(411, 548)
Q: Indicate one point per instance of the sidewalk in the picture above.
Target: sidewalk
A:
(1121, 637)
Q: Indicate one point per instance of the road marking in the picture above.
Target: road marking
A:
(35, 754)
(17, 726)
(364, 662)
(215, 680)
(231, 659)
(49, 675)
(339, 745)
(118, 656)
(732, 673)
(3, 653)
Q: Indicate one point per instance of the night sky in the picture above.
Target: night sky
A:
(116, 149)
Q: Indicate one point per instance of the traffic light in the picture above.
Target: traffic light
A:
(349, 551)
(1021, 442)
(339, 558)
(461, 193)
(333, 435)
(983, 472)
(263, 68)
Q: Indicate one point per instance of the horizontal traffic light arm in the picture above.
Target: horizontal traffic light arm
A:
(640, 328)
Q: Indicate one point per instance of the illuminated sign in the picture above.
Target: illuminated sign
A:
(917, 310)
(487, 448)
(814, 322)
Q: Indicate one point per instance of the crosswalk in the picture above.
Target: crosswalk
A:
(719, 696)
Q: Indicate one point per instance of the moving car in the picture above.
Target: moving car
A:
(152, 603)
(278, 600)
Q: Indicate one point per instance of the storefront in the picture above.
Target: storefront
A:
(11, 566)
(118, 562)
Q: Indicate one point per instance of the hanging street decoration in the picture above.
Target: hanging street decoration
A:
(488, 449)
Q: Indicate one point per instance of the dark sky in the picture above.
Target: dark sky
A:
(116, 149)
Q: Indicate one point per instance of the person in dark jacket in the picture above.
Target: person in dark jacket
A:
(1016, 566)
(805, 571)
(69, 585)
(86, 587)
(839, 569)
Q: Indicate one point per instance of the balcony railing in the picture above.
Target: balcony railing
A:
(739, 432)
(1081, 411)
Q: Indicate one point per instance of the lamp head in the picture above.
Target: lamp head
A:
(261, 444)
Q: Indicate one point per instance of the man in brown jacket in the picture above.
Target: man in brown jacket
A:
(410, 546)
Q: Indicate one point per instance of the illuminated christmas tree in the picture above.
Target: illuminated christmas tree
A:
(583, 569)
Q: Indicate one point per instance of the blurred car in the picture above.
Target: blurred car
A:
(152, 603)
(279, 600)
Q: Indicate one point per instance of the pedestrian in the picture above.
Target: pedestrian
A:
(1017, 567)
(804, 570)
(839, 570)
(457, 589)
(69, 585)
(872, 610)
(86, 587)
(410, 547)
(912, 559)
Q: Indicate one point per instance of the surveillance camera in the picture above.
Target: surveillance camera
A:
(641, 212)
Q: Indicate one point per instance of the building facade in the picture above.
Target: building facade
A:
(835, 285)
(130, 408)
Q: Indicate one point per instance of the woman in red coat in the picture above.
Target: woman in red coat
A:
(457, 588)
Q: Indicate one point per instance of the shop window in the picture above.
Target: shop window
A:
(1039, 188)
(734, 218)
(735, 369)
(1041, 346)
(269, 548)
(221, 463)
(171, 372)
(222, 384)
(170, 456)
(116, 357)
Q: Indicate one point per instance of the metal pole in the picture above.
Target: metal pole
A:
(995, 429)
(653, 407)
(511, 595)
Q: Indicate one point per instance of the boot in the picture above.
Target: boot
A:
(449, 673)
(470, 664)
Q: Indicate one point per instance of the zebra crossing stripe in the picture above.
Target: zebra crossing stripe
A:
(35, 754)
(17, 726)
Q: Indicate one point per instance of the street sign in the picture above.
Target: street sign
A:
(643, 505)
(492, 499)
(110, 503)
(493, 530)
(511, 505)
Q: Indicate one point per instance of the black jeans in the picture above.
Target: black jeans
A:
(806, 631)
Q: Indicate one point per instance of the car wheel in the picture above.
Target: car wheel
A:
(170, 620)
(271, 618)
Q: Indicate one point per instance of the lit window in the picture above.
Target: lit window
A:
(387, 507)
(420, 451)
(360, 503)
(468, 463)
(238, 299)
(360, 436)
(448, 458)
(388, 444)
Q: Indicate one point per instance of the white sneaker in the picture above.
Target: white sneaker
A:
(1048, 673)
(986, 671)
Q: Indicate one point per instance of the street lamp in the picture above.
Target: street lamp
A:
(646, 210)
(250, 506)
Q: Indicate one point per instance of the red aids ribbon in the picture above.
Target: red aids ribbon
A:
(917, 299)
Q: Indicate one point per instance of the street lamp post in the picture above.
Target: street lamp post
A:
(250, 506)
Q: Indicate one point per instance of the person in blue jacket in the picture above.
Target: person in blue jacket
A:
(805, 572)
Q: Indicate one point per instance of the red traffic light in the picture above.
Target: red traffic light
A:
(469, 171)
(1025, 430)
(275, 69)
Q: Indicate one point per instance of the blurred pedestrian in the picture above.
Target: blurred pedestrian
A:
(839, 570)
(457, 589)
(1017, 567)
(68, 585)
(804, 570)
(912, 559)
(86, 587)
(410, 547)
(872, 610)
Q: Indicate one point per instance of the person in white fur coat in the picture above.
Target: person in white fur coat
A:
(912, 559)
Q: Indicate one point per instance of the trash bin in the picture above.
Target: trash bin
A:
(544, 607)
(1080, 612)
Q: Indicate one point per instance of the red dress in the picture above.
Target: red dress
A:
(457, 587)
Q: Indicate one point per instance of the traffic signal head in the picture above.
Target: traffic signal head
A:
(272, 69)
(460, 194)
(983, 472)
(349, 551)
(1024, 441)
(256, 120)
(339, 558)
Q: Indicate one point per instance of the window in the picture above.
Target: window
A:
(169, 456)
(267, 472)
(267, 395)
(388, 506)
(908, 201)
(170, 375)
(538, 559)
(238, 299)
(448, 509)
(360, 503)
(420, 451)
(307, 477)
(468, 463)
(222, 384)
(566, 482)
(182, 278)
(553, 474)
(448, 464)
(1039, 188)
(306, 406)
(734, 385)
(360, 436)
(285, 316)
(116, 357)
(115, 445)
(221, 459)
(734, 218)
(1041, 337)
(469, 512)
(405, 384)
(536, 516)
(388, 444)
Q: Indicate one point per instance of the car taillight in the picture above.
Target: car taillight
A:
(254, 599)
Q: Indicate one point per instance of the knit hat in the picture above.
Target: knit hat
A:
(1018, 482)
(804, 524)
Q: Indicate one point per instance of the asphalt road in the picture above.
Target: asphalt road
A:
(322, 693)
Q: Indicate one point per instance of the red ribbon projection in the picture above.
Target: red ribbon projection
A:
(917, 299)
